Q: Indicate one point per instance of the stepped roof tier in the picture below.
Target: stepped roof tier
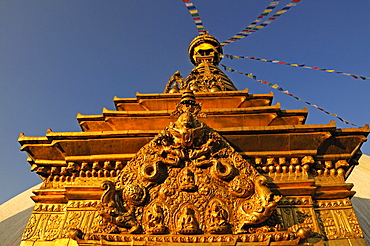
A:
(254, 130)
(231, 109)
(200, 163)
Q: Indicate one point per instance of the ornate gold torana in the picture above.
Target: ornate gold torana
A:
(201, 164)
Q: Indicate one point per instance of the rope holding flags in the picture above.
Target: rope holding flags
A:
(253, 27)
(279, 88)
(231, 57)
(195, 15)
(245, 31)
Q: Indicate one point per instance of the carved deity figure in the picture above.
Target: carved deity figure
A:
(218, 219)
(187, 223)
(187, 181)
(156, 220)
(186, 130)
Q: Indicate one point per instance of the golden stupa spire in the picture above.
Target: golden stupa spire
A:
(205, 53)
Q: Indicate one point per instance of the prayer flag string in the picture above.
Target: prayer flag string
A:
(195, 15)
(279, 88)
(296, 65)
(254, 26)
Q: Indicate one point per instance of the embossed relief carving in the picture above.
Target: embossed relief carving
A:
(187, 222)
(52, 221)
(155, 220)
(218, 218)
(31, 228)
(338, 219)
(73, 171)
(187, 180)
(302, 213)
(46, 222)
(283, 168)
(52, 228)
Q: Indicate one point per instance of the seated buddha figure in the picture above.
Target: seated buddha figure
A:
(187, 223)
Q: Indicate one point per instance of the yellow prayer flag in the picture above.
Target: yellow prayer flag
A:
(330, 71)
(267, 10)
(251, 26)
(294, 65)
(193, 11)
(263, 60)
(281, 12)
(275, 86)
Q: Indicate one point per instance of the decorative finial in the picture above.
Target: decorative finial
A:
(188, 104)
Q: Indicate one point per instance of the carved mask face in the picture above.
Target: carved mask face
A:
(186, 120)
(205, 51)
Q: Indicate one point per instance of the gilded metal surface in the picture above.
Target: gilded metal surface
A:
(205, 52)
(187, 180)
(260, 178)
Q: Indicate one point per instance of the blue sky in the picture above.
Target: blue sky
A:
(60, 58)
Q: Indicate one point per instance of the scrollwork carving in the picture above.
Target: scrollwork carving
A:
(241, 186)
(153, 171)
(222, 169)
(134, 194)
